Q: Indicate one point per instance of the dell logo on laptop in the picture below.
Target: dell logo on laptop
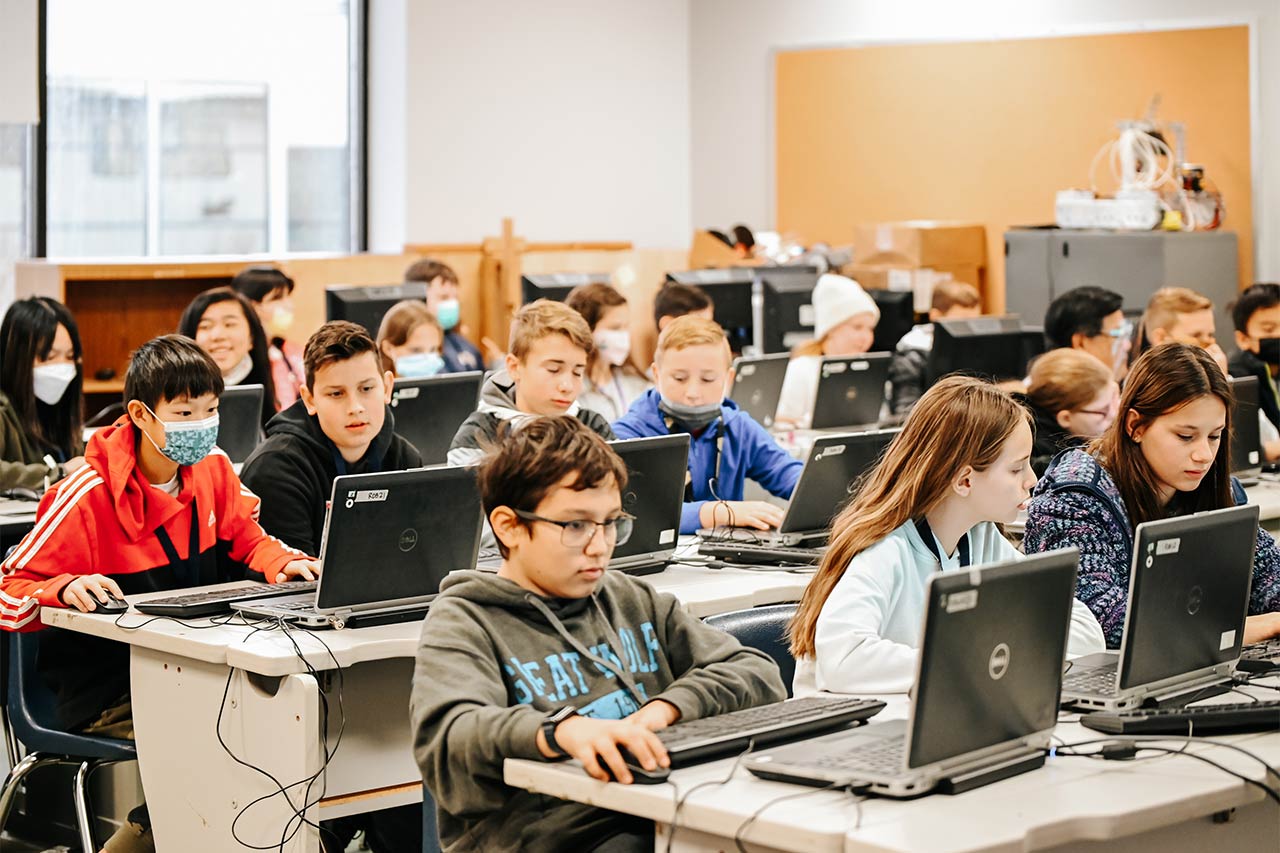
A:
(998, 663)
(1195, 598)
(408, 539)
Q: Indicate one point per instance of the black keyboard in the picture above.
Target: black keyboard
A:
(749, 552)
(1260, 657)
(1223, 718)
(728, 734)
(211, 602)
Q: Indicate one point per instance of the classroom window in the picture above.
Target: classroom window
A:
(15, 202)
(195, 129)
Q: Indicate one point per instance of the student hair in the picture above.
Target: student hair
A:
(259, 355)
(1253, 298)
(337, 340)
(169, 367)
(742, 236)
(26, 334)
(401, 321)
(675, 300)
(592, 301)
(1162, 313)
(427, 270)
(541, 318)
(1163, 380)
(1066, 380)
(257, 283)
(527, 462)
(959, 421)
(691, 331)
(1079, 310)
(950, 294)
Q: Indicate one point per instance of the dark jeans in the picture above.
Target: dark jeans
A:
(397, 830)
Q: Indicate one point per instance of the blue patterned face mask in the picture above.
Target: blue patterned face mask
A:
(187, 442)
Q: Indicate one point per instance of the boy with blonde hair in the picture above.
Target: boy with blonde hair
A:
(691, 369)
(550, 345)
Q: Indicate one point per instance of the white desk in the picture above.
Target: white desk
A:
(1266, 494)
(16, 517)
(1163, 804)
(272, 712)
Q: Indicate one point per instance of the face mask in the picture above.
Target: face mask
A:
(280, 323)
(50, 381)
(447, 313)
(187, 442)
(693, 417)
(1268, 350)
(614, 345)
(419, 364)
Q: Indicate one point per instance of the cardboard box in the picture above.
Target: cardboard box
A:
(920, 243)
(919, 280)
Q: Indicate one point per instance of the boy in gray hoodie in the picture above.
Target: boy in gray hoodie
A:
(555, 657)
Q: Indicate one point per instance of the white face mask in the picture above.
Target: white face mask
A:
(614, 345)
(50, 381)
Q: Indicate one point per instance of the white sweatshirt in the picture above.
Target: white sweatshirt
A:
(868, 632)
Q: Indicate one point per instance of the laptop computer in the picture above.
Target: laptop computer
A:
(830, 473)
(757, 385)
(655, 496)
(1246, 433)
(1188, 597)
(850, 390)
(389, 540)
(428, 411)
(986, 695)
(240, 420)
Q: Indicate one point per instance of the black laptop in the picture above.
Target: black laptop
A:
(757, 385)
(429, 411)
(655, 496)
(850, 390)
(1246, 432)
(240, 420)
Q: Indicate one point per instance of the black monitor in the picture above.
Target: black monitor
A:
(786, 306)
(730, 290)
(556, 286)
(1246, 432)
(997, 348)
(365, 304)
(897, 316)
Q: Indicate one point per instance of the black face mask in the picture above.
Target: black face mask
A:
(1269, 350)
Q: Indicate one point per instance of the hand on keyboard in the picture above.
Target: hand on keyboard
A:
(656, 715)
(307, 570)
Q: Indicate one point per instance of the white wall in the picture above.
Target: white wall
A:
(570, 115)
(731, 70)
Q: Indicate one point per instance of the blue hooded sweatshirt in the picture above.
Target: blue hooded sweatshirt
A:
(748, 451)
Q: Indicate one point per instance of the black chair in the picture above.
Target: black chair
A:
(763, 628)
(31, 714)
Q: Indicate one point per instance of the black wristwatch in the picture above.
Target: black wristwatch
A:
(556, 717)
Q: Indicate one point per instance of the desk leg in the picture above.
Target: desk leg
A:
(194, 790)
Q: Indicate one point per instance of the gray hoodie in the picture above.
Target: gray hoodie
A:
(494, 659)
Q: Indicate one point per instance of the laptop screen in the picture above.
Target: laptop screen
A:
(990, 666)
(1246, 438)
(655, 492)
(830, 474)
(240, 420)
(850, 390)
(429, 411)
(393, 537)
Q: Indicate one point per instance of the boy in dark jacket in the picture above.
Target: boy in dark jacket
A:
(341, 425)
(1256, 317)
(556, 657)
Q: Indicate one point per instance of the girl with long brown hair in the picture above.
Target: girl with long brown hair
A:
(1166, 454)
(960, 466)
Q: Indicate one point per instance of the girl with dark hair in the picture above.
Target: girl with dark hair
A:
(1166, 454)
(225, 325)
(41, 407)
(271, 292)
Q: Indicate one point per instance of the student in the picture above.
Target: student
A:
(1256, 316)
(692, 369)
(1177, 314)
(675, 300)
(271, 292)
(460, 355)
(951, 300)
(1073, 399)
(40, 400)
(1090, 319)
(844, 323)
(957, 470)
(341, 425)
(555, 656)
(153, 485)
(1166, 454)
(550, 347)
(409, 341)
(612, 381)
(226, 326)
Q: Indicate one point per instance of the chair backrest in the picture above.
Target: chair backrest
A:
(763, 628)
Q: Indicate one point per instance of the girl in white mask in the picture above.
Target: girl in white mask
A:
(613, 381)
(41, 407)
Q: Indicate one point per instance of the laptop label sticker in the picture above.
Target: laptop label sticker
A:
(1168, 546)
(1228, 640)
(860, 365)
(834, 368)
(957, 602)
(406, 394)
(831, 450)
(365, 496)
(806, 315)
(667, 536)
(747, 370)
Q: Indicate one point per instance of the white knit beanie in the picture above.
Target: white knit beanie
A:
(836, 298)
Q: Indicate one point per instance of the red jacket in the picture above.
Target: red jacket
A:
(107, 519)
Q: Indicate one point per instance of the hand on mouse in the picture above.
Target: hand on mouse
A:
(596, 742)
(307, 570)
(86, 592)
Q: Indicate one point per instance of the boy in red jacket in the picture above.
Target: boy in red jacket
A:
(157, 507)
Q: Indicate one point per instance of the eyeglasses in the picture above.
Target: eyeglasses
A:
(579, 532)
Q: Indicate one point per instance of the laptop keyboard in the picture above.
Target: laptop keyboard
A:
(1100, 681)
(212, 601)
(885, 757)
(1266, 650)
(749, 552)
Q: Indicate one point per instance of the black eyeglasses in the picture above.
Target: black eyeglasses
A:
(580, 531)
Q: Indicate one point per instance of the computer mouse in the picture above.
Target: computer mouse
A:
(639, 776)
(113, 605)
